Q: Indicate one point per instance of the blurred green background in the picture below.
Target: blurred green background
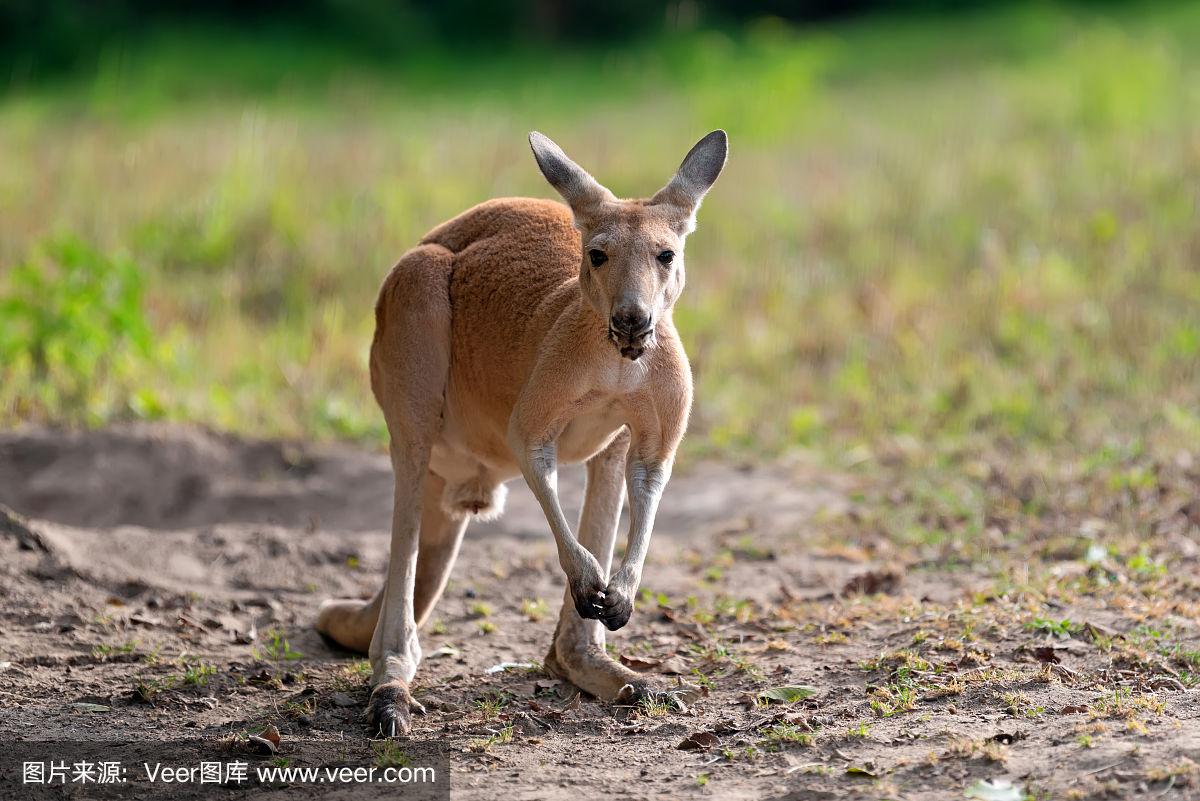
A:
(941, 230)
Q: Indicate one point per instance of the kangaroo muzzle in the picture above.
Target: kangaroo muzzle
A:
(631, 330)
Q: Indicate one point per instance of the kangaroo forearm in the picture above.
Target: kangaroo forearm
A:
(646, 482)
(539, 465)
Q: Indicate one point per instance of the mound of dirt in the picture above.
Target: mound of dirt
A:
(172, 477)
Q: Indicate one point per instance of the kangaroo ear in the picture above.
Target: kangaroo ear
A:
(581, 191)
(696, 175)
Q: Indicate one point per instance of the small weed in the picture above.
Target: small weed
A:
(198, 674)
(1136, 726)
(653, 706)
(490, 705)
(502, 737)
(147, 691)
(967, 748)
(1143, 564)
(1019, 705)
(1123, 703)
(104, 651)
(1062, 629)
(719, 653)
(896, 661)
(740, 609)
(745, 548)
(389, 754)
(859, 732)
(659, 599)
(299, 708)
(534, 609)
(352, 676)
(892, 699)
(1184, 768)
(276, 648)
(749, 753)
(784, 734)
(952, 687)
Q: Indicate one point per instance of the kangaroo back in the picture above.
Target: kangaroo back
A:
(516, 268)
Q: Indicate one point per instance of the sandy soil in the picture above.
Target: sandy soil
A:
(154, 573)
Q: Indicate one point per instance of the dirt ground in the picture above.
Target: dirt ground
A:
(160, 583)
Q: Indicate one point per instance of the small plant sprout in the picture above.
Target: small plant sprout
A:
(197, 674)
(534, 609)
(1062, 629)
(389, 754)
(276, 648)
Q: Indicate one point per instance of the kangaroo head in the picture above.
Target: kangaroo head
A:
(631, 269)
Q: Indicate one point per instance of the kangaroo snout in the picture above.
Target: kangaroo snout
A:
(631, 329)
(633, 323)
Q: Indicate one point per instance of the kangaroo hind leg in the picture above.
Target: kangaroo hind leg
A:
(410, 365)
(350, 622)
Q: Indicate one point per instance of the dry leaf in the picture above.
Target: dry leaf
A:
(84, 706)
(699, 741)
(640, 665)
(873, 582)
(1045, 653)
(675, 666)
(271, 733)
(787, 694)
(262, 745)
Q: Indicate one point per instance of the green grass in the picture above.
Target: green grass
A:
(197, 674)
(1059, 628)
(276, 648)
(782, 735)
(933, 239)
(389, 754)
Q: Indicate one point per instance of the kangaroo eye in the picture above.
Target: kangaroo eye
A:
(666, 257)
(598, 257)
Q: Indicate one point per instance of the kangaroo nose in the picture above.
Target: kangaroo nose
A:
(632, 321)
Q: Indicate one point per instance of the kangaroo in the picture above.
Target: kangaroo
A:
(517, 336)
